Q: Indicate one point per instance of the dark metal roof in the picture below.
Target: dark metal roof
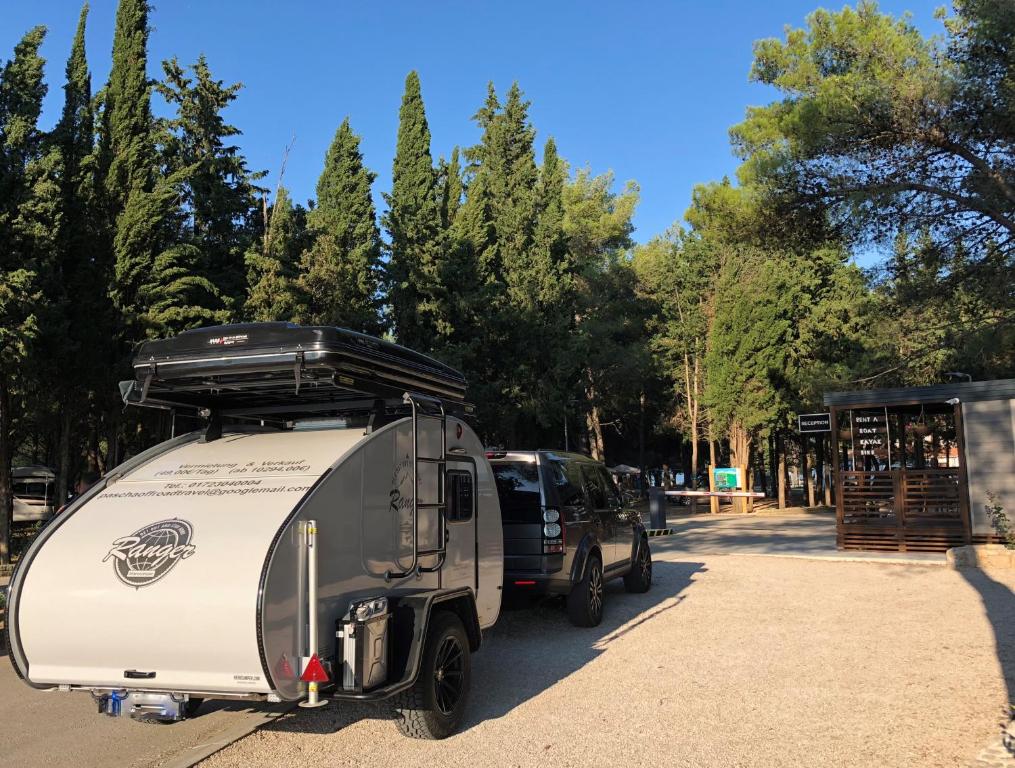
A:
(965, 391)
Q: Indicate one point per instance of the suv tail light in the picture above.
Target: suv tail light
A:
(553, 532)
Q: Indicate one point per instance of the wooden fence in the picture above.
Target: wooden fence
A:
(908, 510)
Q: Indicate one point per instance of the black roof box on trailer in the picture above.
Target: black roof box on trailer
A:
(264, 369)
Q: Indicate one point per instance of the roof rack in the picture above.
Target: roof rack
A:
(284, 371)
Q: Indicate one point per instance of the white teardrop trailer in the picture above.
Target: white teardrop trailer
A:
(335, 505)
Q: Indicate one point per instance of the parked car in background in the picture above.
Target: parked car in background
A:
(567, 530)
(34, 490)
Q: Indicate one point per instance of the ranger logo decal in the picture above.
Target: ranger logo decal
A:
(147, 555)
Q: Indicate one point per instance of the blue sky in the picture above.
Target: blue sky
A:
(647, 90)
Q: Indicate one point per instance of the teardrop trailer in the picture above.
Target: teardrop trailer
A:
(333, 528)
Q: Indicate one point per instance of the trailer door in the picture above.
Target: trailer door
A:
(461, 567)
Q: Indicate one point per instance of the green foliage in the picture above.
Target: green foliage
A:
(160, 290)
(1000, 522)
(414, 223)
(27, 196)
(130, 151)
(886, 129)
(273, 267)
(341, 272)
(219, 193)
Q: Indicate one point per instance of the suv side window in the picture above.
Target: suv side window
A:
(568, 483)
(595, 486)
(613, 496)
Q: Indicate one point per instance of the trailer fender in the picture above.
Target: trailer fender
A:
(412, 617)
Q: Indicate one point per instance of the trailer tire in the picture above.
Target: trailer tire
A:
(639, 578)
(433, 707)
(585, 601)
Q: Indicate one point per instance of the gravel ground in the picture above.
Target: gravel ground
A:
(728, 661)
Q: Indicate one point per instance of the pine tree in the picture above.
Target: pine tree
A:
(220, 193)
(340, 273)
(24, 176)
(414, 225)
(273, 266)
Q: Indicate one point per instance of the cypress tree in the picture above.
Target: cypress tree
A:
(272, 268)
(159, 284)
(219, 192)
(493, 232)
(340, 273)
(25, 193)
(131, 145)
(75, 290)
(450, 189)
(413, 222)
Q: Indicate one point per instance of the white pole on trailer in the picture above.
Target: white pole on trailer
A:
(311, 534)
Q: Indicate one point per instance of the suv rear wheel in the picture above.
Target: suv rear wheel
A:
(639, 579)
(433, 707)
(585, 602)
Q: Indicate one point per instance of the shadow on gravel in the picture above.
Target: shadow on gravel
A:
(999, 604)
(527, 651)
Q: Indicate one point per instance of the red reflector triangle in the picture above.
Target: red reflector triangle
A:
(284, 669)
(314, 672)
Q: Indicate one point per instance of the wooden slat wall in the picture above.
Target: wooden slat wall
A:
(915, 510)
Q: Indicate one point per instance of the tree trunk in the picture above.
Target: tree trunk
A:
(772, 469)
(806, 470)
(6, 491)
(829, 469)
(740, 457)
(62, 461)
(781, 470)
(641, 439)
(713, 501)
(819, 449)
(594, 425)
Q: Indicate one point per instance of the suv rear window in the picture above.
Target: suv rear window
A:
(518, 489)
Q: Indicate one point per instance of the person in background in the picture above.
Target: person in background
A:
(86, 480)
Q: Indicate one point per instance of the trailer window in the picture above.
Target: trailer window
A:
(518, 490)
(460, 497)
(30, 490)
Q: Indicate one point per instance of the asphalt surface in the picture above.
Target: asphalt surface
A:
(732, 659)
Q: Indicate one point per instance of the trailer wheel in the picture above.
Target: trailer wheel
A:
(191, 707)
(585, 602)
(639, 579)
(433, 707)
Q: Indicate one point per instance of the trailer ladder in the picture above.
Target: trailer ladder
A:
(425, 407)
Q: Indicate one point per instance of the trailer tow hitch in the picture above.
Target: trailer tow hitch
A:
(142, 705)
